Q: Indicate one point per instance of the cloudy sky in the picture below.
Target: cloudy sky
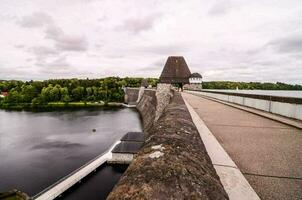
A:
(236, 40)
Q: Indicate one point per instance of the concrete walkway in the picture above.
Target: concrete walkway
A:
(268, 153)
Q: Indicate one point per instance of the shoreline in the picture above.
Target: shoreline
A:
(57, 106)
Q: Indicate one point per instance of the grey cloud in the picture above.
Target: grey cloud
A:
(18, 72)
(19, 46)
(137, 25)
(63, 41)
(298, 56)
(103, 18)
(221, 7)
(291, 44)
(172, 49)
(59, 63)
(53, 32)
(43, 51)
(66, 42)
(37, 19)
(161, 50)
(99, 46)
(71, 43)
(56, 68)
(155, 67)
(29, 59)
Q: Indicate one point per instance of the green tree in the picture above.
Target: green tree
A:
(46, 93)
(64, 94)
(13, 97)
(38, 101)
(78, 93)
(29, 92)
(55, 93)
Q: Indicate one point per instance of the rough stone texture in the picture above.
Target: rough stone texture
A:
(173, 163)
(163, 96)
(147, 109)
(140, 94)
(131, 95)
(152, 103)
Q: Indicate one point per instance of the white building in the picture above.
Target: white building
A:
(195, 78)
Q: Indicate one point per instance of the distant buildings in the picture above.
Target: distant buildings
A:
(177, 73)
(195, 82)
(3, 94)
(195, 78)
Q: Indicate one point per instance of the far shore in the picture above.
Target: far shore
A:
(55, 106)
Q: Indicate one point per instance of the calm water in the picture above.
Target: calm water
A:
(37, 149)
(280, 93)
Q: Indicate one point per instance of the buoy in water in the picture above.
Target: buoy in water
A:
(94, 130)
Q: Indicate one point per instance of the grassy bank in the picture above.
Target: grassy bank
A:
(52, 106)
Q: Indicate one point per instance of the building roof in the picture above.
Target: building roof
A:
(175, 70)
(195, 75)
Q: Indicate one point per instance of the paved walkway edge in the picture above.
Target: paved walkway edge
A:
(231, 177)
(284, 120)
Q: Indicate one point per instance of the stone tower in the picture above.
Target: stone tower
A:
(176, 71)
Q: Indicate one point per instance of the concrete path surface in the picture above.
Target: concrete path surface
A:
(268, 153)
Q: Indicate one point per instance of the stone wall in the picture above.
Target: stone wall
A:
(140, 94)
(163, 96)
(147, 109)
(173, 162)
(151, 104)
(131, 95)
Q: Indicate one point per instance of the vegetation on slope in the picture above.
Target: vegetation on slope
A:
(59, 93)
(76, 93)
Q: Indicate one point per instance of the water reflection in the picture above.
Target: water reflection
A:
(37, 149)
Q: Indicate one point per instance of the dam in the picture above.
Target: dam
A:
(199, 144)
(212, 145)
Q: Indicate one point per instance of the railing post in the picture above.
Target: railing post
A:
(270, 104)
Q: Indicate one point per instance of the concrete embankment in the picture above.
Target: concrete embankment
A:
(173, 162)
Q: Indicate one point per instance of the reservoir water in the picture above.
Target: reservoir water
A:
(37, 149)
(280, 93)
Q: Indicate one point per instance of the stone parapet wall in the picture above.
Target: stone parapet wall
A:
(173, 162)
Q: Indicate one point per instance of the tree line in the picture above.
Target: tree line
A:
(108, 89)
(229, 85)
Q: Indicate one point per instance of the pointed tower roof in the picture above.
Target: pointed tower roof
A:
(175, 71)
